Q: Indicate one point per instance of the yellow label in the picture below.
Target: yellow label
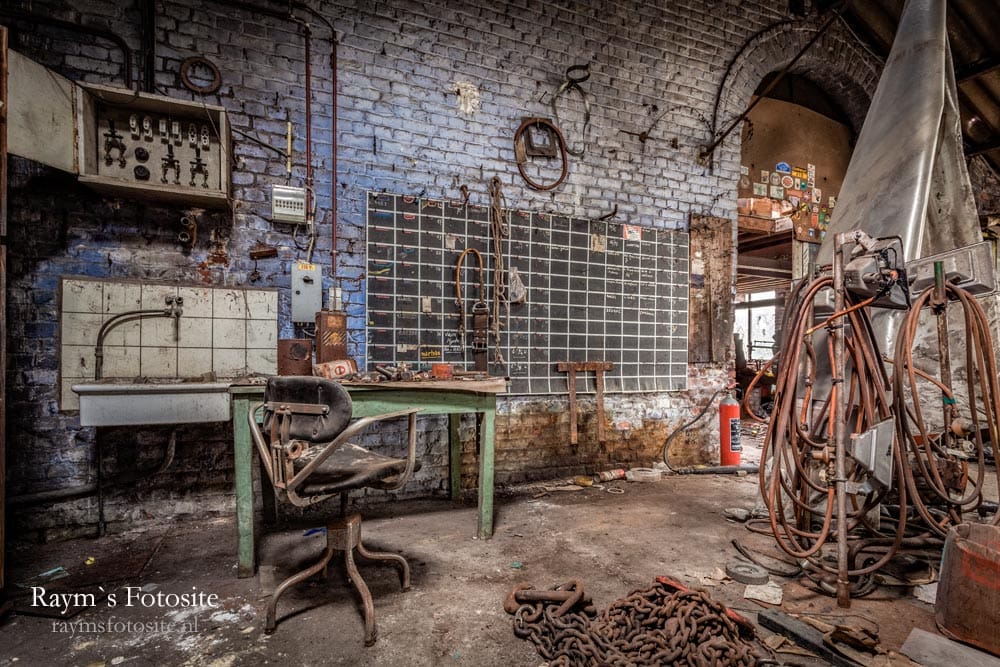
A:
(305, 266)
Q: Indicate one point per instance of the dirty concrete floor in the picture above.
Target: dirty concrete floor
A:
(453, 614)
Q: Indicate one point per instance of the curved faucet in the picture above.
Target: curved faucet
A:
(173, 309)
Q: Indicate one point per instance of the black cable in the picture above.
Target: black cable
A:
(666, 445)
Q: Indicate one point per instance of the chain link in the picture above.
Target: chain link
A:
(662, 625)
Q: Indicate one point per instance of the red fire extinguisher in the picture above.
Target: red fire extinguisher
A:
(729, 431)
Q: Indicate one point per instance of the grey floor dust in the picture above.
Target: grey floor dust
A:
(452, 616)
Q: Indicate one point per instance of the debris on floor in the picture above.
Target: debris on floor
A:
(769, 593)
(736, 514)
(926, 593)
(746, 573)
(933, 650)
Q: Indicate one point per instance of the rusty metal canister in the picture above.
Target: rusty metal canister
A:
(967, 607)
(331, 336)
(295, 356)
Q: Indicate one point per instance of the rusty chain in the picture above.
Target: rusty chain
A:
(666, 624)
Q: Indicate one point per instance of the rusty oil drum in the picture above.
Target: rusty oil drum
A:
(967, 607)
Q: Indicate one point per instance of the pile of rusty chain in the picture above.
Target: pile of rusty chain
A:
(667, 624)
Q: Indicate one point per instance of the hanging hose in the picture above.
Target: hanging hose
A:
(799, 487)
(939, 504)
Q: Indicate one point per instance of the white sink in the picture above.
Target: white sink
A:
(128, 403)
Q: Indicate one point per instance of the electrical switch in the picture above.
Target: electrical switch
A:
(307, 291)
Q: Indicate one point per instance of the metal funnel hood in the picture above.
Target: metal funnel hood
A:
(907, 176)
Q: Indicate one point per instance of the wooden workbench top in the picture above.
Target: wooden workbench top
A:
(493, 385)
(487, 386)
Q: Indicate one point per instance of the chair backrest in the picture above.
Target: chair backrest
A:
(312, 391)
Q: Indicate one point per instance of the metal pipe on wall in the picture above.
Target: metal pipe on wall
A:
(287, 16)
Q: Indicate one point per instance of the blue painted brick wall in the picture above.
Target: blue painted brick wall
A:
(400, 130)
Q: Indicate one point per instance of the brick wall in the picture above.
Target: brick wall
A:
(400, 130)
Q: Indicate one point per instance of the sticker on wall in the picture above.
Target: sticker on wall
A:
(800, 184)
(765, 176)
(817, 194)
(429, 352)
(783, 167)
(744, 182)
(775, 178)
(744, 170)
(777, 192)
(760, 189)
(632, 232)
(787, 182)
(833, 201)
(598, 243)
(800, 173)
(811, 175)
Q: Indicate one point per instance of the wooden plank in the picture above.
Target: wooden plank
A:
(932, 650)
(804, 635)
(710, 329)
(3, 299)
(3, 153)
(752, 223)
(243, 443)
(486, 471)
(488, 386)
(578, 366)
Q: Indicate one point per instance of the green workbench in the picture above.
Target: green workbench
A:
(450, 397)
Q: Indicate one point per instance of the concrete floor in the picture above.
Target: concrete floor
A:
(453, 614)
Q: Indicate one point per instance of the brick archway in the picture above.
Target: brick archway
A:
(836, 61)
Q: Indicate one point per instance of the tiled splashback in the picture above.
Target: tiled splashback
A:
(226, 331)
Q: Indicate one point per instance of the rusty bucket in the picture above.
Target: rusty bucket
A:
(967, 607)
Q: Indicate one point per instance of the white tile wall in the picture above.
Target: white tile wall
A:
(229, 362)
(226, 331)
(229, 334)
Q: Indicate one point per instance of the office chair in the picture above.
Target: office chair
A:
(303, 442)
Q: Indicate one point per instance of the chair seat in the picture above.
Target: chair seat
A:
(349, 466)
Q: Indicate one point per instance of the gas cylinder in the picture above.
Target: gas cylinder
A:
(729, 431)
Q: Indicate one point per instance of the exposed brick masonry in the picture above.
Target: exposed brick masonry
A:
(400, 130)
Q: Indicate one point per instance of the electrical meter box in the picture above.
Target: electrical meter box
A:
(118, 141)
(307, 291)
(288, 204)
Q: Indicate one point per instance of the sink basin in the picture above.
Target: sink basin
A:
(118, 403)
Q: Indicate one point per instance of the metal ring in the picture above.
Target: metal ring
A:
(185, 73)
(576, 78)
(521, 159)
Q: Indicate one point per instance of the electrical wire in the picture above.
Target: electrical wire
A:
(681, 429)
